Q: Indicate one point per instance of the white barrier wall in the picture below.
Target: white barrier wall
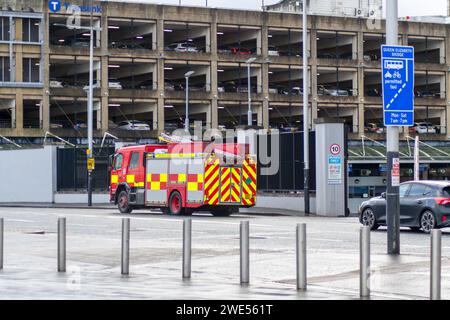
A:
(28, 175)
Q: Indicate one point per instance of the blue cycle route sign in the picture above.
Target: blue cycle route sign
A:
(398, 85)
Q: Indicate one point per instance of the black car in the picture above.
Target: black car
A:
(423, 205)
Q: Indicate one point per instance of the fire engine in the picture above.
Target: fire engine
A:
(183, 177)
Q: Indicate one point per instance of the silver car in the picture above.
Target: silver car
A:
(134, 125)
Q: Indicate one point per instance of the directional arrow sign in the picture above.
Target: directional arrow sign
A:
(398, 85)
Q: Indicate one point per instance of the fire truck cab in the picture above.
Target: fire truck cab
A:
(180, 178)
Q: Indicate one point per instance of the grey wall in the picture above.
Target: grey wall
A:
(28, 175)
(330, 193)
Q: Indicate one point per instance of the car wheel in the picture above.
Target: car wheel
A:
(123, 203)
(368, 219)
(427, 221)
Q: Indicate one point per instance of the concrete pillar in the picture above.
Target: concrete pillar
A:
(265, 93)
(443, 122)
(447, 82)
(45, 118)
(358, 122)
(160, 72)
(18, 112)
(154, 37)
(103, 115)
(263, 119)
(260, 115)
(18, 52)
(208, 117)
(313, 72)
(213, 71)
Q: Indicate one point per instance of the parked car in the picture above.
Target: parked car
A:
(134, 125)
(111, 84)
(227, 87)
(82, 44)
(273, 51)
(335, 92)
(112, 125)
(273, 90)
(56, 84)
(374, 128)
(147, 84)
(373, 93)
(423, 205)
(423, 128)
(114, 85)
(80, 125)
(427, 94)
(224, 50)
(297, 91)
(56, 126)
(182, 47)
(169, 86)
(197, 87)
(240, 51)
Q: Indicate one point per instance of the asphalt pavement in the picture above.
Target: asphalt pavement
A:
(94, 250)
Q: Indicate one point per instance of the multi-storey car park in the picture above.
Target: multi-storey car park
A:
(139, 74)
(143, 51)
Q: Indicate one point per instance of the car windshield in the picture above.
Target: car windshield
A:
(446, 192)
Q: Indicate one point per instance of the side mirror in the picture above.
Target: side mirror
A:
(383, 195)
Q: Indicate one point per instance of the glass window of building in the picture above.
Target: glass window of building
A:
(31, 70)
(4, 69)
(4, 28)
(30, 30)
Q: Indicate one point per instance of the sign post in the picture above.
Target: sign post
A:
(398, 110)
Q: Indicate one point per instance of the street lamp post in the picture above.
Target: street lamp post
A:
(186, 121)
(90, 115)
(249, 113)
(305, 108)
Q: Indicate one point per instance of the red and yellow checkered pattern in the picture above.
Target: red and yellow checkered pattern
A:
(156, 181)
(195, 182)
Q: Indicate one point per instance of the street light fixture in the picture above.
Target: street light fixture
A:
(250, 113)
(186, 121)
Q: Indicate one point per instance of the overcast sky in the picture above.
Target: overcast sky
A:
(406, 7)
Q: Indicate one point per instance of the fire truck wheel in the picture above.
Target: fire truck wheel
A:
(123, 203)
(176, 204)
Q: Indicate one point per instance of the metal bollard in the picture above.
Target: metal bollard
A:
(245, 252)
(436, 257)
(61, 244)
(125, 245)
(301, 257)
(364, 261)
(187, 240)
(1, 242)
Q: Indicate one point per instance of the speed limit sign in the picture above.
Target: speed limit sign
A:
(335, 149)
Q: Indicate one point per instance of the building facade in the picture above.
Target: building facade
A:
(142, 52)
(369, 9)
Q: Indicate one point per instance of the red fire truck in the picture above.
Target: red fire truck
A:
(184, 177)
